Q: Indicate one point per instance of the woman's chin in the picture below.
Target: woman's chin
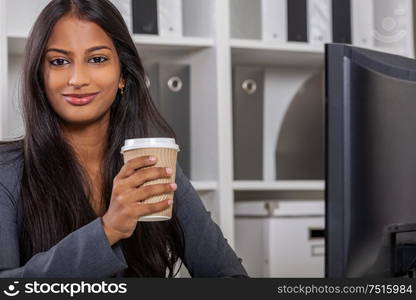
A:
(82, 121)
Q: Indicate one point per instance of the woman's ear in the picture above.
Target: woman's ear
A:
(121, 84)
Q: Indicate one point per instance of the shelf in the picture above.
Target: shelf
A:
(272, 53)
(154, 42)
(280, 185)
(205, 186)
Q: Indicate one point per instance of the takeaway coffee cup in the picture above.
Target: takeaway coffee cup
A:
(165, 150)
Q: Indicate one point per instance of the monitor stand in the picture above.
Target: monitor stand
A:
(402, 254)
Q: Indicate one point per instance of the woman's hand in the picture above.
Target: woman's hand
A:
(125, 208)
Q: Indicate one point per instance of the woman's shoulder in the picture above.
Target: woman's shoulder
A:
(11, 152)
(11, 163)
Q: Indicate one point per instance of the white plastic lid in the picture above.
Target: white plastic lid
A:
(132, 144)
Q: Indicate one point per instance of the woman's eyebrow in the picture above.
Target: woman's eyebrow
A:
(95, 48)
(58, 50)
(67, 52)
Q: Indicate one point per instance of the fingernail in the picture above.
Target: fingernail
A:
(170, 201)
(152, 158)
(169, 170)
(173, 185)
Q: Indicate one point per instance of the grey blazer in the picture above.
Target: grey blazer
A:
(86, 252)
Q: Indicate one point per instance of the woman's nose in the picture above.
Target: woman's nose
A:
(79, 76)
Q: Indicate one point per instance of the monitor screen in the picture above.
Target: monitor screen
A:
(371, 158)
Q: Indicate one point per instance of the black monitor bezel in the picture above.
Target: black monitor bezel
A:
(337, 158)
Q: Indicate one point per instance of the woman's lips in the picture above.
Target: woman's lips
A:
(80, 99)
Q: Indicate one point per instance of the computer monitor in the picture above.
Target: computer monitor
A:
(370, 163)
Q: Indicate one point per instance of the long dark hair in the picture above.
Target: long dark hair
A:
(53, 190)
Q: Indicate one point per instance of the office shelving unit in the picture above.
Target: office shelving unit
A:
(210, 50)
(284, 54)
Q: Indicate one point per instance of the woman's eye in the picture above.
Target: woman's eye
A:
(59, 62)
(98, 59)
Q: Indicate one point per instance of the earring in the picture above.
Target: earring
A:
(122, 90)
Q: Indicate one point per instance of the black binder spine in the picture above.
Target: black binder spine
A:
(341, 21)
(175, 106)
(145, 16)
(297, 21)
(248, 122)
(169, 86)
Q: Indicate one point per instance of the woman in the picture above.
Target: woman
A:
(68, 206)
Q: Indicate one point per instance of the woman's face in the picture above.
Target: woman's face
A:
(81, 71)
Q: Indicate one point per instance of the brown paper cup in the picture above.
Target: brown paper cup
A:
(166, 157)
